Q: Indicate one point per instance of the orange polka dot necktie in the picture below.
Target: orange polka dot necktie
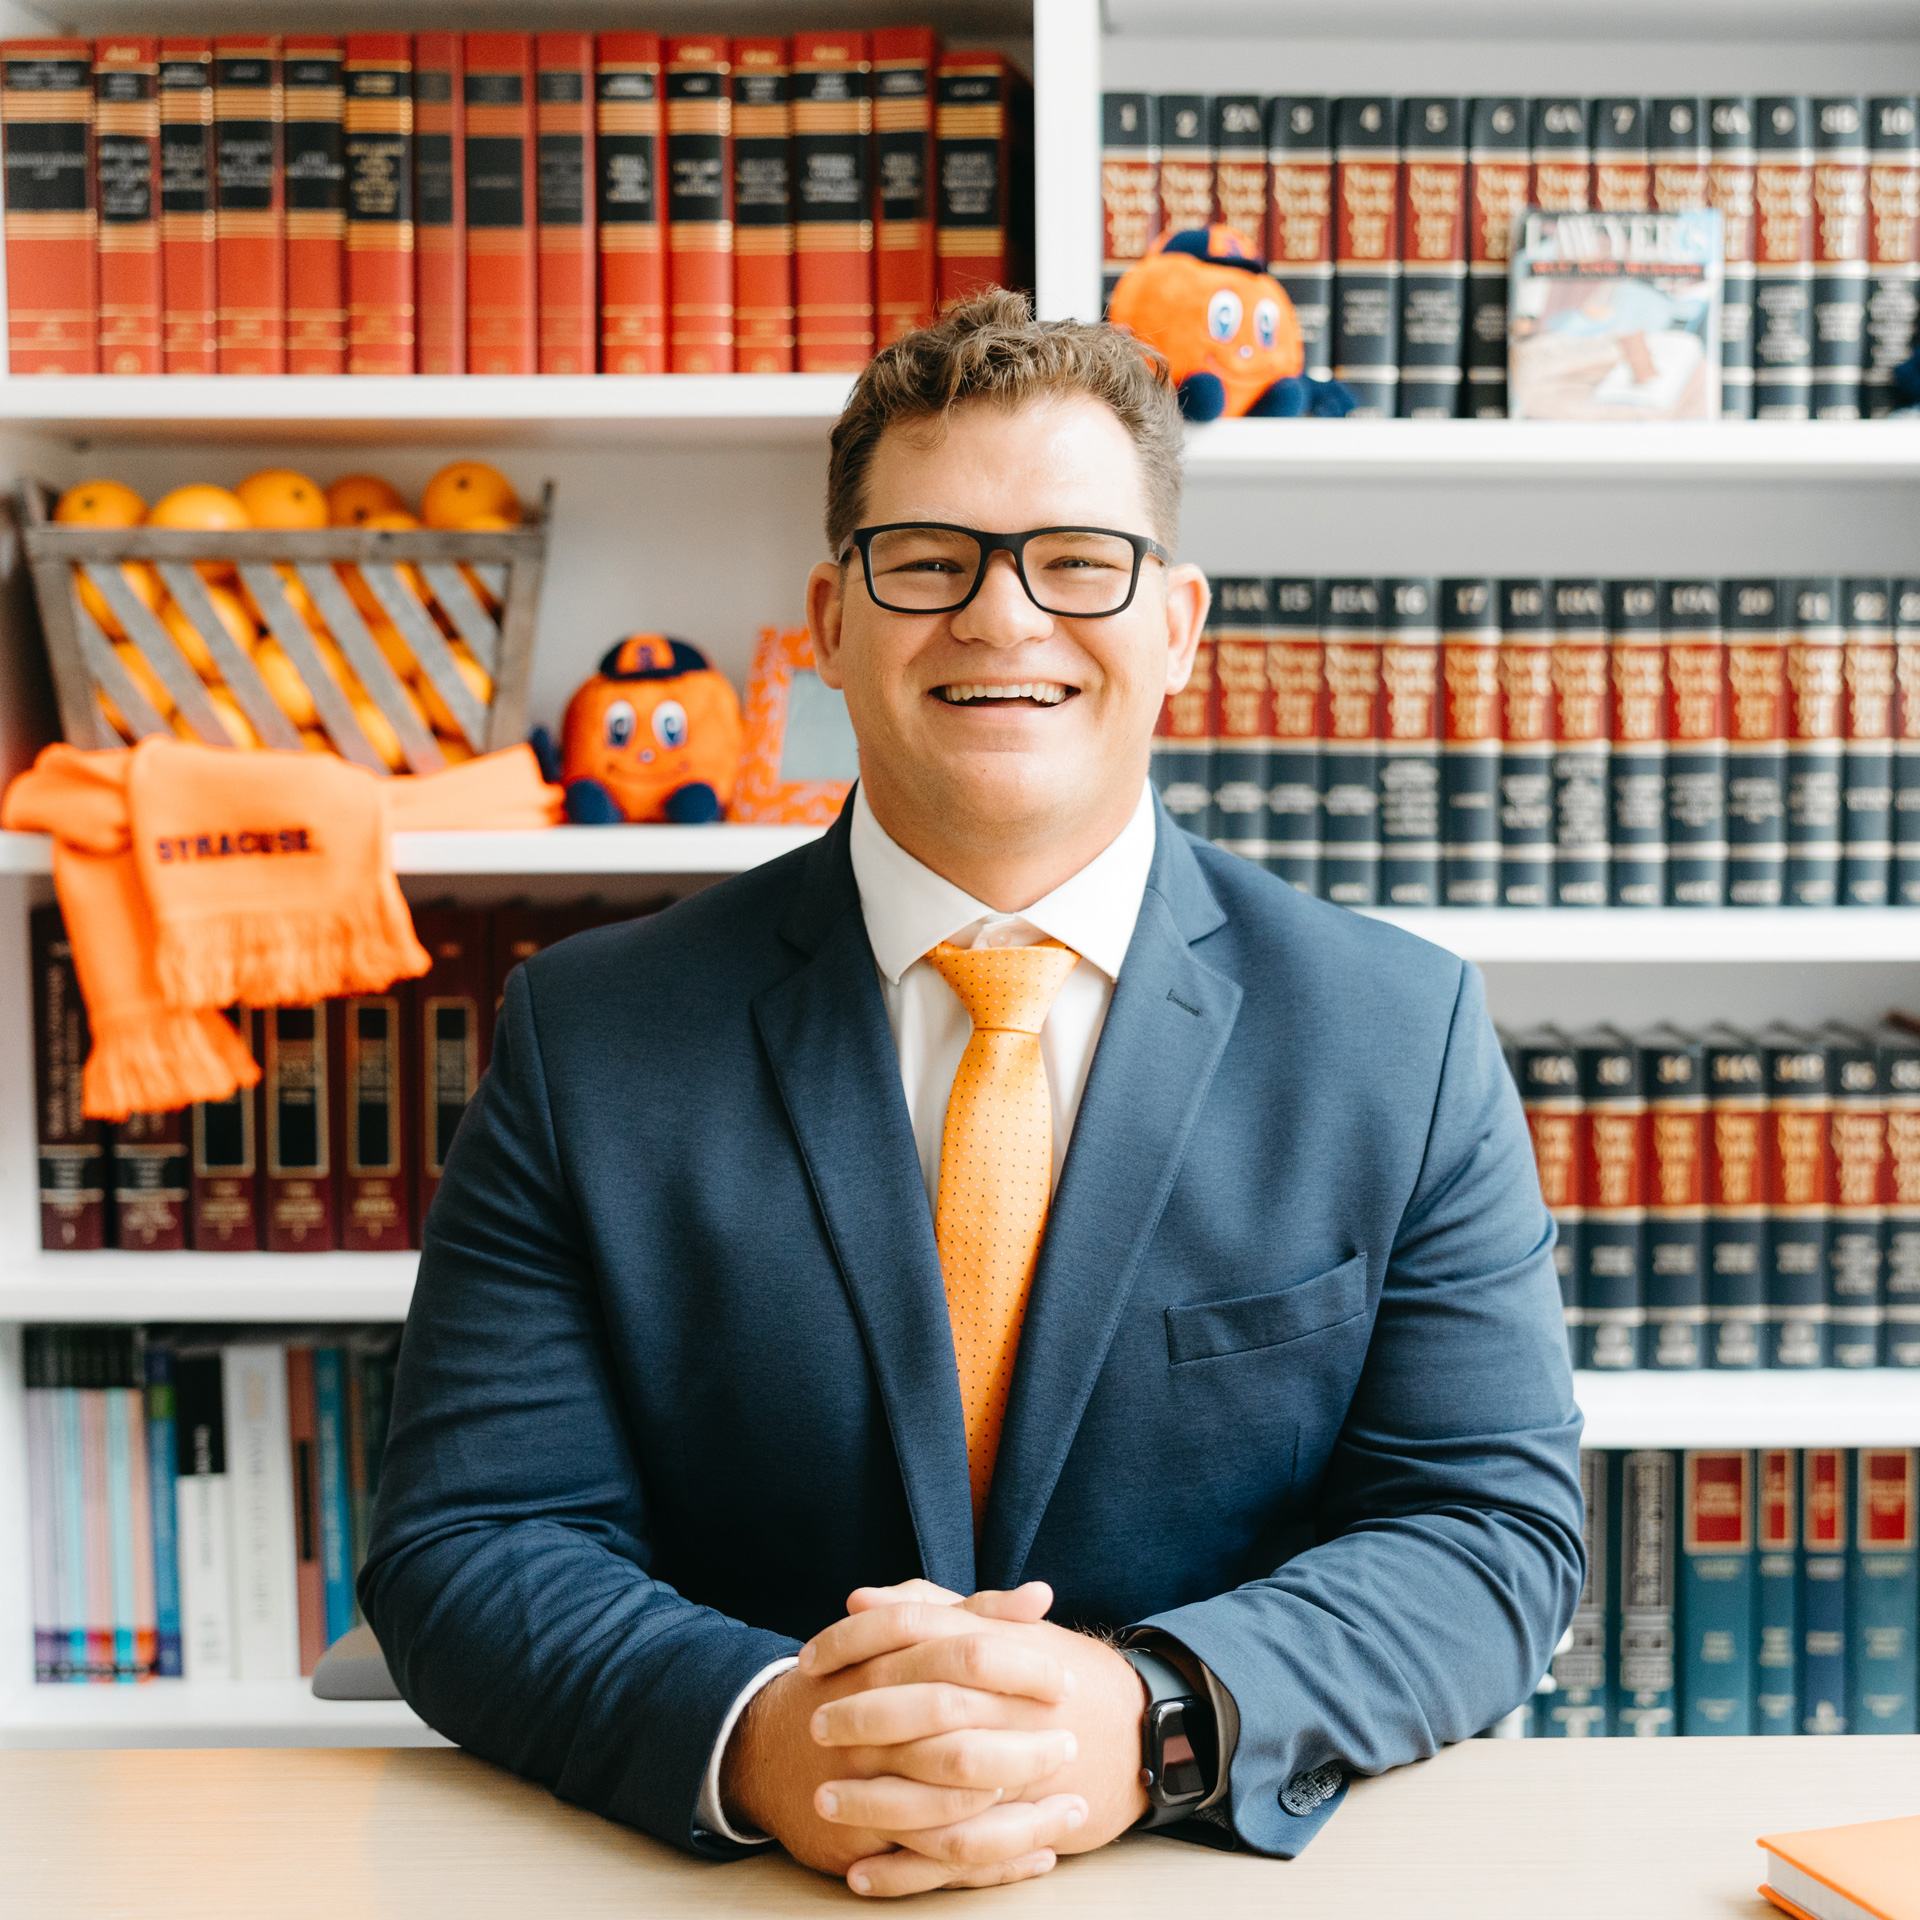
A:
(996, 1174)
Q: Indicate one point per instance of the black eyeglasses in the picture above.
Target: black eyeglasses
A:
(1084, 573)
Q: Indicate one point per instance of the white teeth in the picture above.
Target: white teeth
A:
(1047, 693)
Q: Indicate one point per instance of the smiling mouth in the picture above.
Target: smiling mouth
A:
(1024, 693)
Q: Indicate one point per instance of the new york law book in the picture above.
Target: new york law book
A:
(317, 81)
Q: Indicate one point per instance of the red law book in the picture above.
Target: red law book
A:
(126, 164)
(250, 208)
(46, 131)
(903, 263)
(439, 204)
(1622, 164)
(451, 1004)
(189, 311)
(224, 1209)
(316, 195)
(373, 1122)
(380, 292)
(633, 264)
(1562, 159)
(296, 1093)
(73, 1152)
(148, 1168)
(500, 203)
(763, 311)
(569, 258)
(832, 213)
(699, 205)
(1240, 167)
(303, 1436)
(973, 157)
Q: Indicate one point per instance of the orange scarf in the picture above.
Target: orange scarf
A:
(193, 879)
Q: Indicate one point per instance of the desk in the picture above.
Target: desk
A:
(1492, 1829)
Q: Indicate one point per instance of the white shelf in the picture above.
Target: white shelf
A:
(1835, 1407)
(184, 1713)
(1736, 20)
(284, 1287)
(1661, 935)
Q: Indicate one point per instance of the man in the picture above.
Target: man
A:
(1087, 1303)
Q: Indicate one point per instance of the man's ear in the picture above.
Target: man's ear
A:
(826, 604)
(1188, 598)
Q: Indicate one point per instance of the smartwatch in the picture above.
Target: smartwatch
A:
(1179, 1742)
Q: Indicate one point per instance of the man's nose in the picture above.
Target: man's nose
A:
(1001, 614)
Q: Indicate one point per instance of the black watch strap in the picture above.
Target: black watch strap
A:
(1179, 1742)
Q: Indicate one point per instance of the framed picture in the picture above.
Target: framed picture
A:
(800, 760)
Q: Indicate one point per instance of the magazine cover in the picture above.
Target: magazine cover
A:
(1615, 316)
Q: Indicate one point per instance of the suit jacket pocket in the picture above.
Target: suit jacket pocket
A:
(1214, 1328)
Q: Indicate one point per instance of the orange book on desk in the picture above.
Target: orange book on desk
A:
(1865, 1872)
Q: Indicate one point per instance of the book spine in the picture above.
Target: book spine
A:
(303, 1440)
(1240, 167)
(298, 1200)
(1756, 802)
(1839, 256)
(314, 94)
(1470, 744)
(118, 1483)
(1575, 1707)
(1776, 1640)
(189, 338)
(1186, 162)
(501, 280)
(382, 315)
(1366, 277)
(42, 1504)
(1867, 722)
(1857, 1140)
(972, 163)
(72, 1148)
(249, 203)
(763, 297)
(1736, 1201)
(1799, 1110)
(372, 1114)
(1698, 794)
(904, 268)
(150, 1182)
(146, 1623)
(1433, 257)
(449, 1009)
(1717, 1568)
(1823, 1590)
(1893, 246)
(73, 1498)
(1294, 682)
(1350, 752)
(1526, 745)
(336, 1520)
(699, 205)
(202, 1518)
(1731, 189)
(439, 203)
(163, 1499)
(1677, 147)
(1549, 1081)
(1648, 1522)
(1783, 257)
(1242, 715)
(1899, 1073)
(568, 277)
(1583, 855)
(1562, 158)
(1407, 725)
(1181, 761)
(127, 196)
(1637, 755)
(1673, 1073)
(1613, 1125)
(1883, 1592)
(633, 262)
(224, 1208)
(96, 1495)
(1903, 881)
(1816, 751)
(264, 1543)
(1499, 181)
(52, 222)
(1129, 184)
(1622, 164)
(832, 200)
(1300, 220)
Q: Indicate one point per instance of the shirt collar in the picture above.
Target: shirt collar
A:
(909, 909)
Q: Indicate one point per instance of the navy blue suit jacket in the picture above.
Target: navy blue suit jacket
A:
(678, 1374)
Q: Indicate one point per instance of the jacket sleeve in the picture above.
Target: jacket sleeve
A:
(507, 1575)
(1448, 1557)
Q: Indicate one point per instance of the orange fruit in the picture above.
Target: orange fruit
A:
(206, 509)
(283, 680)
(144, 677)
(186, 636)
(356, 496)
(239, 727)
(393, 644)
(114, 717)
(380, 734)
(139, 576)
(485, 523)
(280, 497)
(455, 750)
(100, 503)
(479, 684)
(396, 521)
(457, 493)
(312, 740)
(296, 591)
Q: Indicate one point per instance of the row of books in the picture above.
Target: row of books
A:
(1732, 1591)
(1569, 743)
(340, 1146)
(198, 1498)
(1727, 1198)
(1390, 224)
(502, 203)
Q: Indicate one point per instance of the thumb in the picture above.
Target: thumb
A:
(917, 1592)
(1027, 1604)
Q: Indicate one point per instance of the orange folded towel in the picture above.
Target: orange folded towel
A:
(193, 879)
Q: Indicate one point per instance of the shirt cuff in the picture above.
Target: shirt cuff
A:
(708, 1816)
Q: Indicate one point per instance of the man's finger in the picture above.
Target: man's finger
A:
(884, 1716)
(865, 1599)
(886, 1876)
(986, 1851)
(892, 1804)
(1029, 1604)
(890, 1629)
(987, 1662)
(977, 1757)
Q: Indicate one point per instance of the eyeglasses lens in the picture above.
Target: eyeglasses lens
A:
(931, 569)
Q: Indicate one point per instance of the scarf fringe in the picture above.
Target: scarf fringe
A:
(288, 958)
(159, 1058)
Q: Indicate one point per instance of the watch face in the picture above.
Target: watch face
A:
(1181, 1772)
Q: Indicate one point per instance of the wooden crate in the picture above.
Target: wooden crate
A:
(85, 665)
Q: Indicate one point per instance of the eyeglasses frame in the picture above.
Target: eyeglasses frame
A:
(1012, 544)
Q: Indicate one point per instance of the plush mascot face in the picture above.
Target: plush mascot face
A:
(654, 719)
(1201, 298)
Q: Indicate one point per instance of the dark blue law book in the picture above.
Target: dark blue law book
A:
(1736, 1199)
(1613, 1310)
(1883, 1592)
(1866, 798)
(1673, 1072)
(1409, 734)
(1242, 708)
(1783, 276)
(1776, 1606)
(162, 1477)
(1816, 750)
(1903, 882)
(1646, 1528)
(1300, 220)
(1366, 242)
(1433, 256)
(1499, 174)
(1754, 621)
(1180, 764)
(1350, 747)
(1893, 151)
(1576, 1706)
(1857, 1134)
(1637, 762)
(1293, 750)
(1470, 743)
(1824, 1515)
(1526, 745)
(1799, 1110)
(1730, 142)
(1717, 1569)
(1696, 665)
(1898, 1051)
(1546, 1068)
(1841, 216)
(1582, 854)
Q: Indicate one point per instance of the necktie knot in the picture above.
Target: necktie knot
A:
(1005, 989)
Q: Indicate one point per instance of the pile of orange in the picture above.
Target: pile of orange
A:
(468, 496)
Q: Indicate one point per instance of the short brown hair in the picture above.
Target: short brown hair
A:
(992, 349)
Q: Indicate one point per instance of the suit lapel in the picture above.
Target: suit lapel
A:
(826, 1034)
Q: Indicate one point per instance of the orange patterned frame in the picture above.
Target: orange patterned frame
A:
(760, 794)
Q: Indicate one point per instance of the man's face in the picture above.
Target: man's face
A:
(1001, 720)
